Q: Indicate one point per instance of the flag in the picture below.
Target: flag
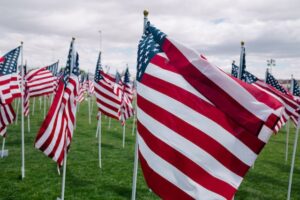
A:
(234, 70)
(9, 79)
(26, 93)
(89, 85)
(295, 88)
(290, 105)
(80, 97)
(56, 132)
(108, 102)
(7, 116)
(42, 81)
(199, 129)
(270, 79)
(127, 97)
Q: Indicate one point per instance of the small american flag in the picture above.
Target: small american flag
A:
(199, 130)
(7, 116)
(274, 83)
(127, 97)
(234, 70)
(9, 79)
(295, 88)
(108, 102)
(56, 132)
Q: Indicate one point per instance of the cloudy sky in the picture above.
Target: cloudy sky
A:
(270, 29)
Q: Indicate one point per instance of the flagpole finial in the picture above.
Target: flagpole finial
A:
(21, 42)
(242, 43)
(146, 13)
(73, 38)
(233, 62)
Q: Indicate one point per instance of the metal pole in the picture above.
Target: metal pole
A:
(293, 164)
(44, 107)
(33, 106)
(287, 141)
(99, 141)
(17, 114)
(22, 115)
(124, 130)
(3, 146)
(136, 158)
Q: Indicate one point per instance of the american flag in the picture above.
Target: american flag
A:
(80, 96)
(291, 106)
(199, 130)
(108, 102)
(89, 85)
(295, 88)
(271, 80)
(26, 93)
(9, 79)
(127, 97)
(42, 81)
(234, 70)
(56, 132)
(7, 116)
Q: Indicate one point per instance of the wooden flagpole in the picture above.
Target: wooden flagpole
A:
(136, 158)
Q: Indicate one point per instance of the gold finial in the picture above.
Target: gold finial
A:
(242, 43)
(146, 13)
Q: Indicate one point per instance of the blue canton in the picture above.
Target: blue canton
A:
(273, 82)
(99, 69)
(296, 89)
(126, 76)
(72, 59)
(148, 47)
(53, 68)
(234, 70)
(9, 62)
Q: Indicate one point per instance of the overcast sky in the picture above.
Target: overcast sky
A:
(270, 29)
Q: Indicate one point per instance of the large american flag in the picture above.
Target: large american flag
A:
(9, 79)
(199, 130)
(108, 102)
(7, 116)
(127, 96)
(56, 131)
(42, 81)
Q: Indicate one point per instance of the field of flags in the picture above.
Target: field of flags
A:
(182, 129)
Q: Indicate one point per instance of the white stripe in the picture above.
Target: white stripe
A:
(189, 150)
(201, 122)
(230, 86)
(175, 176)
(174, 79)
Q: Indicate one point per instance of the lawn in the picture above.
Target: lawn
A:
(85, 180)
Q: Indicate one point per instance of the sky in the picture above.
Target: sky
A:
(215, 28)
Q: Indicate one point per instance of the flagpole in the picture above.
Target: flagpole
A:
(17, 114)
(41, 102)
(63, 184)
(287, 140)
(109, 122)
(33, 106)
(136, 158)
(293, 164)
(22, 115)
(44, 106)
(3, 146)
(99, 140)
(124, 130)
(89, 108)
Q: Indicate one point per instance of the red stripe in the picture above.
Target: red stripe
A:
(185, 165)
(204, 109)
(163, 188)
(213, 92)
(199, 138)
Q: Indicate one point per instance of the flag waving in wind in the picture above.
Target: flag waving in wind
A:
(56, 132)
(9, 81)
(199, 130)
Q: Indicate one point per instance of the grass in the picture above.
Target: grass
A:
(85, 180)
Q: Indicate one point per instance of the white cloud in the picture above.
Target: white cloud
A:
(271, 29)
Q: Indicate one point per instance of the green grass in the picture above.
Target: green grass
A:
(85, 180)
